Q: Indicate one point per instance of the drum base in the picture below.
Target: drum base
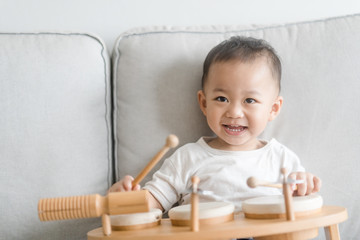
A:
(135, 227)
(271, 207)
(280, 215)
(207, 221)
(301, 235)
(241, 227)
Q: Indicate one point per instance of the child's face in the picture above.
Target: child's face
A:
(238, 100)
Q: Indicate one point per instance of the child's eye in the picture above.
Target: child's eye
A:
(221, 99)
(250, 100)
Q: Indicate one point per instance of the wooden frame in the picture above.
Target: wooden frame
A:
(328, 218)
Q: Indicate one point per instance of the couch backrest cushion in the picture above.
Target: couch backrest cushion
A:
(157, 73)
(55, 133)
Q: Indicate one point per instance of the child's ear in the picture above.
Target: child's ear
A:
(276, 107)
(202, 101)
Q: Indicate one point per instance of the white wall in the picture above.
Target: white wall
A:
(108, 18)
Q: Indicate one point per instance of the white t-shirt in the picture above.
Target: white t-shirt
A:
(222, 172)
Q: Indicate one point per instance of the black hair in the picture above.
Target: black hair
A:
(245, 49)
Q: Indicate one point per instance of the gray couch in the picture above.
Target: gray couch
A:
(71, 124)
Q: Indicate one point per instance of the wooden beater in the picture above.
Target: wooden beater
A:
(171, 142)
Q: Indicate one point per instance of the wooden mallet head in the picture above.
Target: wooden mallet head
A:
(253, 182)
(172, 141)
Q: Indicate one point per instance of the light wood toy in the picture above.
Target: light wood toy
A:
(129, 210)
(294, 227)
(278, 206)
(199, 214)
(272, 207)
(252, 207)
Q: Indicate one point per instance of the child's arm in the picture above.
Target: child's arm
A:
(312, 183)
(125, 185)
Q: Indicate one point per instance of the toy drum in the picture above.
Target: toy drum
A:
(136, 221)
(209, 213)
(273, 206)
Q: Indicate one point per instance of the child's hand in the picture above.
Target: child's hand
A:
(312, 183)
(124, 185)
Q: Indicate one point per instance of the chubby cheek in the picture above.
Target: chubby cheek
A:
(213, 119)
(258, 121)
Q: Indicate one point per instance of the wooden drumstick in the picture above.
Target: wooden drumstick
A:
(171, 142)
(195, 205)
(254, 182)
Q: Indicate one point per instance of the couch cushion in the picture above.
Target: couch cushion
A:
(55, 136)
(157, 73)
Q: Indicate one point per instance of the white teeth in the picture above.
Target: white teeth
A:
(235, 128)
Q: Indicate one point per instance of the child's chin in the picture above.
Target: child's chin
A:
(234, 146)
(239, 145)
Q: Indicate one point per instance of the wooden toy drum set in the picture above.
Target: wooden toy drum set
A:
(126, 215)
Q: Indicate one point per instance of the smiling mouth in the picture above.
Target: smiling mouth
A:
(234, 128)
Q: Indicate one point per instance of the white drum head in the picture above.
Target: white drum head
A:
(273, 206)
(209, 212)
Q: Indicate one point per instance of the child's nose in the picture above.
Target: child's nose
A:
(235, 111)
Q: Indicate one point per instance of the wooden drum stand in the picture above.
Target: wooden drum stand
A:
(241, 227)
(284, 226)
